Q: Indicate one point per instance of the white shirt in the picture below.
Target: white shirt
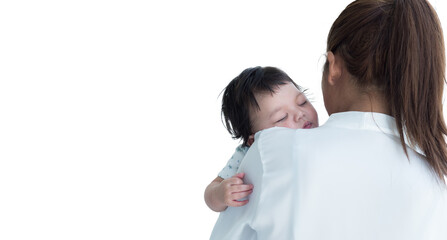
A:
(348, 179)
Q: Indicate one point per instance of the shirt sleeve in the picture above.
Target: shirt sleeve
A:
(233, 164)
(235, 222)
(266, 215)
(274, 207)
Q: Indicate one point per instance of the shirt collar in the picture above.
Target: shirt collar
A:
(369, 121)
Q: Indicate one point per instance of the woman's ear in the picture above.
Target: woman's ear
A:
(251, 140)
(334, 70)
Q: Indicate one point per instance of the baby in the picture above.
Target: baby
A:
(257, 99)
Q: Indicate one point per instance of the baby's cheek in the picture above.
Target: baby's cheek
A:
(289, 125)
(281, 124)
(313, 115)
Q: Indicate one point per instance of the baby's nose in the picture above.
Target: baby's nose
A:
(298, 116)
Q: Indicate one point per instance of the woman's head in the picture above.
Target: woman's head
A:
(396, 48)
(264, 97)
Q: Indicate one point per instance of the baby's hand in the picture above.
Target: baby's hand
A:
(232, 189)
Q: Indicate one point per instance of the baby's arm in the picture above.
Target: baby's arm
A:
(222, 193)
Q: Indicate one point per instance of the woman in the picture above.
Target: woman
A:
(376, 169)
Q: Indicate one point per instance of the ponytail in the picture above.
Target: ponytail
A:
(416, 82)
(397, 47)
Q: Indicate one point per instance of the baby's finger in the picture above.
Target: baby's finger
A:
(239, 175)
(231, 181)
(238, 203)
(240, 195)
(235, 181)
(241, 188)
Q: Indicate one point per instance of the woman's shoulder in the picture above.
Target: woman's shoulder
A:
(276, 136)
(280, 132)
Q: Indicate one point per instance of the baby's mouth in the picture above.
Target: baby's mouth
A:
(307, 125)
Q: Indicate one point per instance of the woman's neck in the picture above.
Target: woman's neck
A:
(368, 102)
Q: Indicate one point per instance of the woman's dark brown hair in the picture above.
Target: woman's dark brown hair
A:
(397, 47)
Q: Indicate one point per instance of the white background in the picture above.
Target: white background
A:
(110, 121)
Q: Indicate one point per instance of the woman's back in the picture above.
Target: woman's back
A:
(349, 179)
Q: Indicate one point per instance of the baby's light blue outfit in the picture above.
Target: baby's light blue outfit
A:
(235, 161)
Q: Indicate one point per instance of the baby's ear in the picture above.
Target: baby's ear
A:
(251, 139)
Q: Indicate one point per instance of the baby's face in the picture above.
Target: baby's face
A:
(287, 107)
